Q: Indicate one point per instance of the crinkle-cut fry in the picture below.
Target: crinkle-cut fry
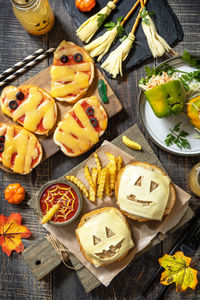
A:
(131, 144)
(78, 183)
(118, 163)
(101, 183)
(108, 191)
(50, 213)
(94, 175)
(92, 194)
(112, 169)
(97, 161)
(88, 177)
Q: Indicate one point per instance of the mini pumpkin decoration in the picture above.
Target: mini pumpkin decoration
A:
(104, 236)
(193, 111)
(14, 193)
(85, 5)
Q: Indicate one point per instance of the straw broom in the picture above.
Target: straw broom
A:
(113, 63)
(157, 44)
(102, 44)
(86, 31)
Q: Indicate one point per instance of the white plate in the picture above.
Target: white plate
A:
(158, 128)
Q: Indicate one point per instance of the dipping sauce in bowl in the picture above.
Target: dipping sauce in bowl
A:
(69, 198)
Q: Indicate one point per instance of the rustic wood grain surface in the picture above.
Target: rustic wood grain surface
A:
(16, 279)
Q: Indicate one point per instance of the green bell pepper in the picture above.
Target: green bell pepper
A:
(166, 99)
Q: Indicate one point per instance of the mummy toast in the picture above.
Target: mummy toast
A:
(72, 72)
(30, 106)
(81, 127)
(20, 150)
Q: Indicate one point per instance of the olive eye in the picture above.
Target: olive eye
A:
(13, 104)
(90, 111)
(78, 57)
(94, 122)
(64, 58)
(20, 96)
(38, 24)
(2, 139)
(44, 21)
(1, 147)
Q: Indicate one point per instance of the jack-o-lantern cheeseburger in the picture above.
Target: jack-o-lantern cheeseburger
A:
(104, 236)
(144, 192)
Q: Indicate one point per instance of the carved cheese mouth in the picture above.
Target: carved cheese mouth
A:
(106, 254)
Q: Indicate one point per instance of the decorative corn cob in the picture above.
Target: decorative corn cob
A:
(101, 45)
(86, 31)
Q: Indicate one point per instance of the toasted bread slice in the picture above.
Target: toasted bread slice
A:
(101, 232)
(172, 192)
(81, 127)
(20, 149)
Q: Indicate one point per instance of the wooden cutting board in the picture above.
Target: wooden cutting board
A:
(43, 80)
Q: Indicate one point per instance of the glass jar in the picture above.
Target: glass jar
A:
(36, 16)
(194, 179)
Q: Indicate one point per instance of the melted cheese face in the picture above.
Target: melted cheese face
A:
(36, 108)
(76, 132)
(71, 80)
(105, 237)
(143, 192)
(21, 144)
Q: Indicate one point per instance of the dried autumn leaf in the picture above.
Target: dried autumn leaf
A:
(177, 270)
(11, 232)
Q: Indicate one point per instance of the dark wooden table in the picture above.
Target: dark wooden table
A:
(16, 279)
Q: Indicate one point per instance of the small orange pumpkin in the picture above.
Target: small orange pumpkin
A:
(14, 193)
(85, 5)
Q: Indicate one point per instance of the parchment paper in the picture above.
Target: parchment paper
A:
(142, 232)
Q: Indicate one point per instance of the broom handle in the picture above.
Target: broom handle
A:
(130, 12)
(137, 19)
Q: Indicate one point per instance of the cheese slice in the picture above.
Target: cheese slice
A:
(139, 199)
(97, 227)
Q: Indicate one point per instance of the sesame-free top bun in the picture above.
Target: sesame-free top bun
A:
(147, 166)
(104, 236)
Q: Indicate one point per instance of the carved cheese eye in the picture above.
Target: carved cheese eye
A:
(64, 58)
(20, 96)
(1, 146)
(13, 104)
(94, 122)
(90, 111)
(78, 57)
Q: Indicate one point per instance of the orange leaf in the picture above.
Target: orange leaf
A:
(177, 270)
(11, 232)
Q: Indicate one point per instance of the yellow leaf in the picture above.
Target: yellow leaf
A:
(177, 270)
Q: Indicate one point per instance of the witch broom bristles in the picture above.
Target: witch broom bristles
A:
(86, 31)
(102, 44)
(113, 63)
(157, 44)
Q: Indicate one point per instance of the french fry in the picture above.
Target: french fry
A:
(50, 213)
(108, 191)
(118, 163)
(96, 157)
(92, 194)
(112, 169)
(101, 182)
(88, 177)
(78, 183)
(94, 175)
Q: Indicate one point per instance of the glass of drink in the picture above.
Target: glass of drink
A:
(36, 16)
